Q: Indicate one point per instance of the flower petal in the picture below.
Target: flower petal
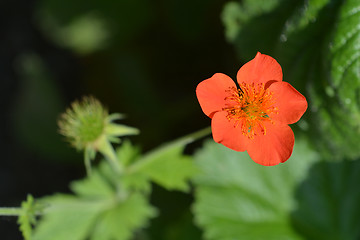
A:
(211, 93)
(273, 148)
(290, 103)
(261, 69)
(225, 133)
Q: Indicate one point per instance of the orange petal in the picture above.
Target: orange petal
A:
(211, 93)
(224, 132)
(290, 103)
(261, 69)
(273, 148)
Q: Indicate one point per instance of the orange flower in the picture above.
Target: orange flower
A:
(254, 117)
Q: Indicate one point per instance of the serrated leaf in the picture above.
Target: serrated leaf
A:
(121, 221)
(28, 217)
(68, 218)
(137, 181)
(328, 202)
(94, 186)
(167, 166)
(127, 153)
(132, 181)
(239, 199)
(72, 218)
(103, 208)
(170, 169)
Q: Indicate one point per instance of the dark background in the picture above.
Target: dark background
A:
(151, 57)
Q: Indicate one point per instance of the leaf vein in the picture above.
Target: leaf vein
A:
(348, 63)
(352, 12)
(347, 38)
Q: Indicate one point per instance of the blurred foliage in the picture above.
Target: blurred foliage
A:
(317, 44)
(27, 219)
(84, 35)
(111, 206)
(328, 202)
(303, 199)
(96, 19)
(98, 210)
(167, 166)
(97, 218)
(235, 197)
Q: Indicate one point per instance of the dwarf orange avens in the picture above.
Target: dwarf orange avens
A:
(253, 117)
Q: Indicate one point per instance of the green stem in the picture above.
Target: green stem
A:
(181, 141)
(87, 161)
(10, 211)
(108, 151)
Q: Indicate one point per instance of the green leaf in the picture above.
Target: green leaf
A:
(131, 181)
(235, 14)
(121, 221)
(68, 218)
(167, 166)
(137, 181)
(317, 44)
(94, 186)
(101, 209)
(239, 199)
(170, 169)
(127, 153)
(328, 202)
(27, 218)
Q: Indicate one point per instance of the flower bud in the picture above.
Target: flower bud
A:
(87, 121)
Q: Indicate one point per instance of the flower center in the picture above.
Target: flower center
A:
(250, 107)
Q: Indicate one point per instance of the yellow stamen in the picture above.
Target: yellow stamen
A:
(250, 107)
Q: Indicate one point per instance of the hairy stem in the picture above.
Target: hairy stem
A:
(10, 211)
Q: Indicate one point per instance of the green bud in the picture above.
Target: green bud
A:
(88, 126)
(87, 121)
(83, 123)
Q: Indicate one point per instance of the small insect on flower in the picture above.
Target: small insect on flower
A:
(255, 116)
